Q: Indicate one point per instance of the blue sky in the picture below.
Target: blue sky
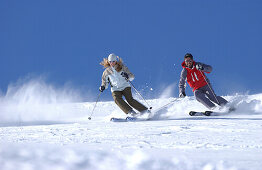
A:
(66, 40)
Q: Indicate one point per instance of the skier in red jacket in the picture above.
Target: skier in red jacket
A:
(194, 73)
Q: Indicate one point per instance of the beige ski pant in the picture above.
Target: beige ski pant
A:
(117, 95)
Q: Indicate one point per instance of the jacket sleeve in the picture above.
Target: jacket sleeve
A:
(105, 80)
(182, 81)
(130, 75)
(207, 68)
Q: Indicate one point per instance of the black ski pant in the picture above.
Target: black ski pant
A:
(207, 97)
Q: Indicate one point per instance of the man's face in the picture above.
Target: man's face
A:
(189, 62)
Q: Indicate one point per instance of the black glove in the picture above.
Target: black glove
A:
(199, 67)
(124, 74)
(182, 95)
(102, 88)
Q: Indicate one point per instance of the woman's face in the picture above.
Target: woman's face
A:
(112, 63)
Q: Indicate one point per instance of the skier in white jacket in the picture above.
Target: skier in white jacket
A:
(117, 75)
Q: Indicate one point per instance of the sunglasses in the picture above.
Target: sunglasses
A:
(112, 61)
(188, 61)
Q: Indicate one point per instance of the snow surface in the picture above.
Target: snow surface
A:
(46, 134)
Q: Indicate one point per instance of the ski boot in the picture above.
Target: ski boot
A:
(132, 113)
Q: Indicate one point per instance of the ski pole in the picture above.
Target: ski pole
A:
(210, 87)
(89, 118)
(139, 93)
(160, 108)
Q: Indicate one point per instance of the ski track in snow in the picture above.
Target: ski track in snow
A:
(172, 140)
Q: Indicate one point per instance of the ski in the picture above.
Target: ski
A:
(114, 119)
(211, 113)
(206, 113)
(127, 119)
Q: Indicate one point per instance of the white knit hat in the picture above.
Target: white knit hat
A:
(112, 57)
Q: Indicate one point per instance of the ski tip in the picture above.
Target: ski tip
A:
(192, 113)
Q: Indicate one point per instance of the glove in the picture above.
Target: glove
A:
(102, 88)
(125, 75)
(199, 67)
(182, 95)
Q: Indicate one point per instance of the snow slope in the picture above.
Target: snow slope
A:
(59, 136)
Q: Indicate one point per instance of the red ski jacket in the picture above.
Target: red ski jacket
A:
(194, 77)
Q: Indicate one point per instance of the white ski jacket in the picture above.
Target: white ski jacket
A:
(116, 80)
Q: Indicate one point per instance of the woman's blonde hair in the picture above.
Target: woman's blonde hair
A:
(118, 66)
